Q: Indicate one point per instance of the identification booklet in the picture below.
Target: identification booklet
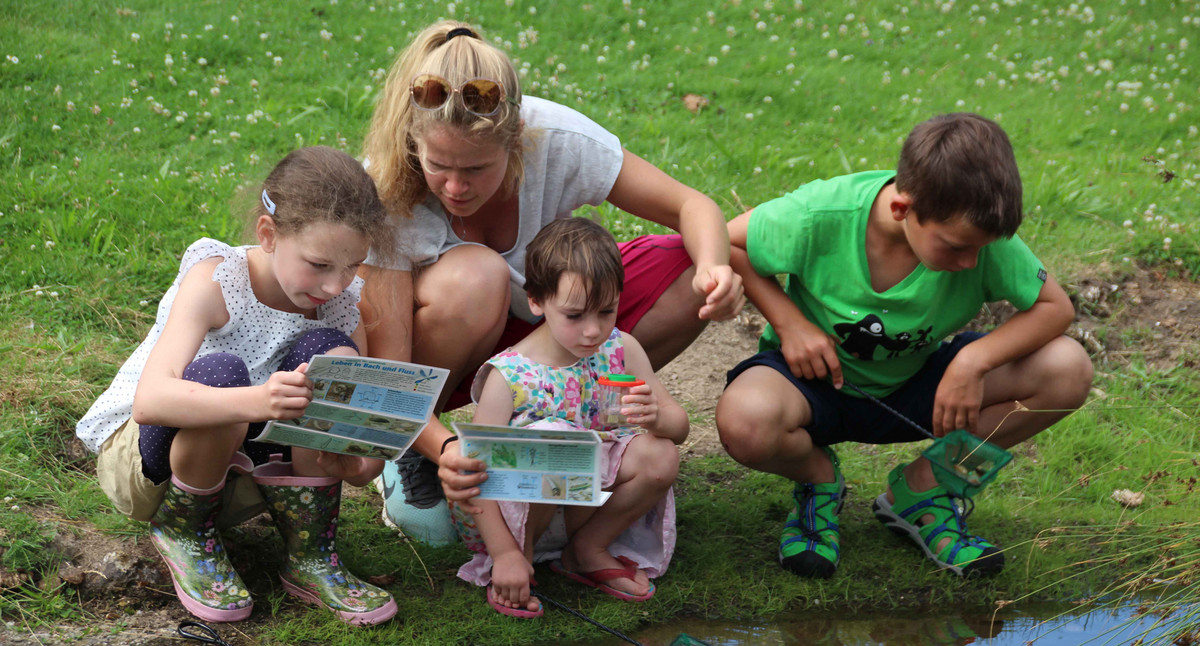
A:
(535, 466)
(361, 406)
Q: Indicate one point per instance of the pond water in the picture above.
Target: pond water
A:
(1047, 625)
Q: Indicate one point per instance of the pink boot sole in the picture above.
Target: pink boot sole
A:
(377, 616)
(202, 611)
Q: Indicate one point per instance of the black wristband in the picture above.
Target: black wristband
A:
(452, 438)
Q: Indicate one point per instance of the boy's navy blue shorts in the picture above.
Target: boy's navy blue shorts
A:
(839, 416)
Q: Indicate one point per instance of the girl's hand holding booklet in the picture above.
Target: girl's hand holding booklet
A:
(361, 406)
(536, 465)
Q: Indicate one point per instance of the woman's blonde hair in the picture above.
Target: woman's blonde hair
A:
(397, 126)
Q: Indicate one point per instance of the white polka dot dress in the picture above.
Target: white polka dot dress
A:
(258, 334)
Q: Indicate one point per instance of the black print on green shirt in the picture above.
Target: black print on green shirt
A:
(861, 339)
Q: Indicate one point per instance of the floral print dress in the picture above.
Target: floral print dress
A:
(568, 397)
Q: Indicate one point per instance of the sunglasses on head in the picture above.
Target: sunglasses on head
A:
(481, 97)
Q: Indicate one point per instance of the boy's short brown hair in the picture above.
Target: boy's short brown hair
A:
(579, 246)
(962, 165)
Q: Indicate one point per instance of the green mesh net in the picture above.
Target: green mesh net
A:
(965, 464)
(685, 639)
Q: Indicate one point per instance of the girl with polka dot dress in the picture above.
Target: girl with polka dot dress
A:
(228, 352)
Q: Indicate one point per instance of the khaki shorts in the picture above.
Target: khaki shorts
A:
(119, 470)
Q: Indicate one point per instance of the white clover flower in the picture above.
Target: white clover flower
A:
(137, 130)
(760, 25)
(601, 60)
(143, 302)
(49, 244)
(767, 99)
(749, 116)
(56, 127)
(277, 61)
(325, 35)
(135, 37)
(208, 27)
(235, 135)
(712, 60)
(264, 35)
(833, 53)
(70, 106)
(13, 59)
(725, 49)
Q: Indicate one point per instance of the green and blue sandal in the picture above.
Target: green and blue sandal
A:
(960, 552)
(809, 544)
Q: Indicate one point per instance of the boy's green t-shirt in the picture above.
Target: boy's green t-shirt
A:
(816, 237)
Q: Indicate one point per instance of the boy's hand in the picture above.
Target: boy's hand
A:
(959, 397)
(286, 394)
(722, 288)
(640, 407)
(457, 486)
(810, 353)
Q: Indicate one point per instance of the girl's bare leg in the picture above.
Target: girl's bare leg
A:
(648, 469)
(200, 456)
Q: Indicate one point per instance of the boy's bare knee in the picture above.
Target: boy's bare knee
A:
(746, 438)
(1071, 369)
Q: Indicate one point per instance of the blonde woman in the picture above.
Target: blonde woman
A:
(470, 170)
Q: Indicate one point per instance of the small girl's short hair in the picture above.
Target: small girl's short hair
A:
(580, 246)
(962, 165)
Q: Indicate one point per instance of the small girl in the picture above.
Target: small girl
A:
(549, 379)
(228, 351)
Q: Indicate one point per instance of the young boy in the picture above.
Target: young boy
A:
(880, 267)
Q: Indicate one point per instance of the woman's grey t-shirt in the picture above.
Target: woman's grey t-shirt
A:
(569, 161)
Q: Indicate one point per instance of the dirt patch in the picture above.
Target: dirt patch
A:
(125, 587)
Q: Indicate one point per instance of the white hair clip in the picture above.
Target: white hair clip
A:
(268, 203)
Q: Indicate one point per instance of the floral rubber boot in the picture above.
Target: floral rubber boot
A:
(305, 511)
(184, 531)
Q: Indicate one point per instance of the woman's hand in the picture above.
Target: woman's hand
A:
(461, 487)
(722, 288)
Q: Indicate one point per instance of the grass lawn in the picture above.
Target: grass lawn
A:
(128, 130)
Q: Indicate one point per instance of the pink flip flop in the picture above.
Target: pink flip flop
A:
(512, 612)
(599, 578)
